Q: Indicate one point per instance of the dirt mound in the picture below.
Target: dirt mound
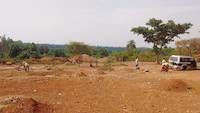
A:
(48, 60)
(175, 85)
(28, 106)
(84, 58)
(82, 74)
(7, 61)
(5, 100)
(59, 60)
(103, 60)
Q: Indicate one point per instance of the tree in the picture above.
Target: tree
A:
(23, 55)
(5, 45)
(195, 45)
(43, 49)
(16, 49)
(160, 34)
(77, 48)
(188, 46)
(60, 53)
(57, 52)
(31, 50)
(103, 52)
(131, 45)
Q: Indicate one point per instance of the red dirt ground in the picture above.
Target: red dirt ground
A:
(74, 89)
(28, 106)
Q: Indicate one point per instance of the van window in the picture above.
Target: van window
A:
(186, 59)
(174, 59)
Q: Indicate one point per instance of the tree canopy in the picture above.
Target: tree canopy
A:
(160, 34)
(75, 48)
(188, 46)
(131, 45)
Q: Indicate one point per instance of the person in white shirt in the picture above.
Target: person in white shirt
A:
(165, 65)
(137, 63)
(163, 61)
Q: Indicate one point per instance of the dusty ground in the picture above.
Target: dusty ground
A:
(74, 89)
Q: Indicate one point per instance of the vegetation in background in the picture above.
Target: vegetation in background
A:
(131, 45)
(77, 48)
(19, 51)
(188, 47)
(57, 53)
(100, 53)
(160, 34)
(43, 49)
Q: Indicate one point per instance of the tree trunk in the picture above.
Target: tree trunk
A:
(158, 59)
(157, 51)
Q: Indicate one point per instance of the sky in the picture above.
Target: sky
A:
(94, 22)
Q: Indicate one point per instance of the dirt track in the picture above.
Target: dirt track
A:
(74, 89)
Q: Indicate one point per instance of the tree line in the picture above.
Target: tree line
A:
(19, 50)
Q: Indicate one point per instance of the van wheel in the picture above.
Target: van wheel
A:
(184, 68)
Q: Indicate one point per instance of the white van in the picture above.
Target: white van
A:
(182, 62)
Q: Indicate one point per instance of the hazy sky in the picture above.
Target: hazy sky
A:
(95, 22)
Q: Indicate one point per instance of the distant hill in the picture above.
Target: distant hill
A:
(53, 46)
(143, 49)
(57, 46)
(111, 48)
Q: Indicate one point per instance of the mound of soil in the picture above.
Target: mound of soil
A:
(82, 74)
(28, 105)
(5, 100)
(175, 85)
(48, 60)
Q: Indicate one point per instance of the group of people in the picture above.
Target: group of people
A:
(164, 68)
(24, 66)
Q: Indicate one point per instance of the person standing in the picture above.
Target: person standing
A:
(137, 63)
(163, 61)
(165, 65)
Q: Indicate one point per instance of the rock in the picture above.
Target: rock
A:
(60, 94)
(34, 90)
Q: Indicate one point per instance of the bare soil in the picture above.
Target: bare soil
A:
(82, 89)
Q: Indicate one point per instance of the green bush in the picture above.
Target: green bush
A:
(57, 52)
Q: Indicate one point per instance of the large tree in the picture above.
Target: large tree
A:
(131, 45)
(5, 45)
(16, 49)
(160, 34)
(77, 48)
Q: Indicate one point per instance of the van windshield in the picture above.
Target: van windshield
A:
(174, 59)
